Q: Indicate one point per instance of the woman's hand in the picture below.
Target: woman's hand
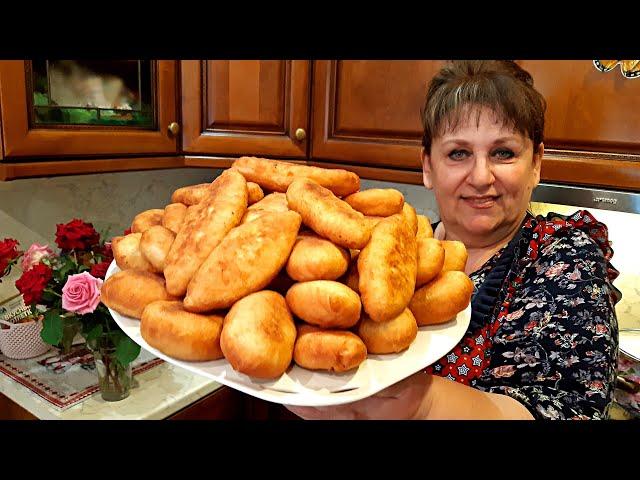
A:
(403, 401)
(426, 397)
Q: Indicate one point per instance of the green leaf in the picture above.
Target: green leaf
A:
(127, 351)
(94, 333)
(52, 327)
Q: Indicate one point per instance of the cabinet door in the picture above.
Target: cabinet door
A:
(246, 107)
(592, 125)
(368, 112)
(87, 108)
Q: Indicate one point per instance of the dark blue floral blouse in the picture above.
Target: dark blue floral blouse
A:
(543, 327)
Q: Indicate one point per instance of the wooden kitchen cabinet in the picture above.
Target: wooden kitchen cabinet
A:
(246, 107)
(367, 112)
(592, 125)
(43, 117)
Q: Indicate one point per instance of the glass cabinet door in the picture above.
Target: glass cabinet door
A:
(88, 107)
(98, 93)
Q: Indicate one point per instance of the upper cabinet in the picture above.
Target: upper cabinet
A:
(587, 109)
(54, 108)
(368, 112)
(246, 107)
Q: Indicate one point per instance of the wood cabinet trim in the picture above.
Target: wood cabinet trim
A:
(11, 171)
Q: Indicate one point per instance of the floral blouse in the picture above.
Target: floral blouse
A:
(543, 328)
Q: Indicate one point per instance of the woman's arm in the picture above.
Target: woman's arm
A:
(448, 400)
(423, 397)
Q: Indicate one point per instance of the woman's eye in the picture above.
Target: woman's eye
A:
(458, 154)
(503, 154)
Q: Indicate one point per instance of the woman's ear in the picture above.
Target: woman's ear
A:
(426, 169)
(537, 164)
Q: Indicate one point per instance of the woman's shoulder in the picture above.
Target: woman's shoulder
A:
(570, 246)
(579, 234)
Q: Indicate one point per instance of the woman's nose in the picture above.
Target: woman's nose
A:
(481, 174)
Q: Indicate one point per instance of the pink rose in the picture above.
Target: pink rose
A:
(34, 254)
(81, 293)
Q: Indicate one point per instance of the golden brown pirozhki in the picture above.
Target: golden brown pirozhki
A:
(155, 244)
(387, 267)
(205, 225)
(392, 336)
(332, 350)
(409, 214)
(174, 215)
(377, 202)
(130, 291)
(274, 202)
(246, 260)
(327, 215)
(424, 227)
(455, 255)
(258, 335)
(127, 253)
(430, 259)
(316, 258)
(442, 298)
(276, 176)
(187, 336)
(324, 303)
(146, 220)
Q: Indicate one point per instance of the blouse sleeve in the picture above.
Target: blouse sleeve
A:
(556, 350)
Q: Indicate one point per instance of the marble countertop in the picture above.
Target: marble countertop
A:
(161, 392)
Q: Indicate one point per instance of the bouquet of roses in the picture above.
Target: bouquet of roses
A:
(65, 287)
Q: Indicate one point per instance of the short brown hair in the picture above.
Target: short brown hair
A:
(501, 85)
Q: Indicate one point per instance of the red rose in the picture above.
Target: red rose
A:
(33, 282)
(76, 235)
(127, 231)
(106, 252)
(8, 251)
(99, 270)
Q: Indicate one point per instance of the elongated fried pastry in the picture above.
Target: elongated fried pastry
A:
(377, 202)
(327, 215)
(147, 219)
(174, 215)
(430, 259)
(332, 350)
(387, 267)
(442, 298)
(155, 244)
(324, 303)
(276, 175)
(246, 261)
(409, 214)
(204, 227)
(455, 255)
(187, 336)
(258, 335)
(424, 227)
(315, 258)
(391, 336)
(130, 291)
(127, 253)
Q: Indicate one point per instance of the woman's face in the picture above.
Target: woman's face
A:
(482, 175)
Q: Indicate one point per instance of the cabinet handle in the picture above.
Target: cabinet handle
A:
(174, 128)
(301, 134)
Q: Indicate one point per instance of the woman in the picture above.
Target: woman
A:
(542, 342)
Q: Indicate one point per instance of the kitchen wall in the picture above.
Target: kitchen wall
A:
(30, 208)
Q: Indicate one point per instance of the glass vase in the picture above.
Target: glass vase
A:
(114, 379)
